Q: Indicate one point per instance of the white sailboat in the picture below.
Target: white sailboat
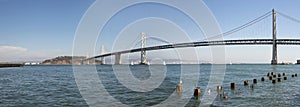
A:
(164, 63)
(131, 63)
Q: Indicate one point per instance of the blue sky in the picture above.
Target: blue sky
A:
(44, 27)
(33, 30)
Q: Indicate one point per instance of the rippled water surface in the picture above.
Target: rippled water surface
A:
(56, 86)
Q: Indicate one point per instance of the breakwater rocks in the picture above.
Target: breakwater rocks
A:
(2, 65)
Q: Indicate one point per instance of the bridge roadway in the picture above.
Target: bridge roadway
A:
(207, 43)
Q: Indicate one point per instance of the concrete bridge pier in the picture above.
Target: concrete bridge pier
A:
(117, 58)
(102, 52)
(102, 60)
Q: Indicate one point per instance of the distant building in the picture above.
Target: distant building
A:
(298, 61)
(32, 63)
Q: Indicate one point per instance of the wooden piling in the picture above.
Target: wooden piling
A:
(262, 79)
(254, 81)
(233, 85)
(246, 82)
(197, 92)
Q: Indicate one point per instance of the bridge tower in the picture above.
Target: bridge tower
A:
(102, 52)
(143, 50)
(88, 61)
(274, 53)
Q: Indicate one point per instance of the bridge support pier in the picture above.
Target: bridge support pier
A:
(102, 52)
(117, 59)
(274, 53)
(102, 61)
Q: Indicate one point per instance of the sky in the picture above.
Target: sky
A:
(35, 30)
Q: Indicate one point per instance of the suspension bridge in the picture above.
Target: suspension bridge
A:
(210, 42)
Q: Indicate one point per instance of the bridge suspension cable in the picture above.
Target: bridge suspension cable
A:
(152, 38)
(289, 17)
(264, 16)
(133, 43)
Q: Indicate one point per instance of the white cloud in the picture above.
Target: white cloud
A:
(13, 53)
(7, 49)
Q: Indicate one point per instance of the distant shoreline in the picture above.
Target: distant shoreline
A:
(154, 64)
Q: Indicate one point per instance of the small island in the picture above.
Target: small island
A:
(68, 60)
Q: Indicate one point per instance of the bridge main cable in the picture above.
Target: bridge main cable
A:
(239, 28)
(289, 17)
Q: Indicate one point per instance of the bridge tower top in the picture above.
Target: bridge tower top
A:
(143, 34)
(102, 49)
(87, 56)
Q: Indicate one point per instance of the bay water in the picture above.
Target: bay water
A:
(55, 85)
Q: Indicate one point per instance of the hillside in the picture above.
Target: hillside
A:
(67, 60)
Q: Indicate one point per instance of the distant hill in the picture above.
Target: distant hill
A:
(67, 60)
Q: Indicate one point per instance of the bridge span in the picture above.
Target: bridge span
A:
(204, 43)
(273, 41)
